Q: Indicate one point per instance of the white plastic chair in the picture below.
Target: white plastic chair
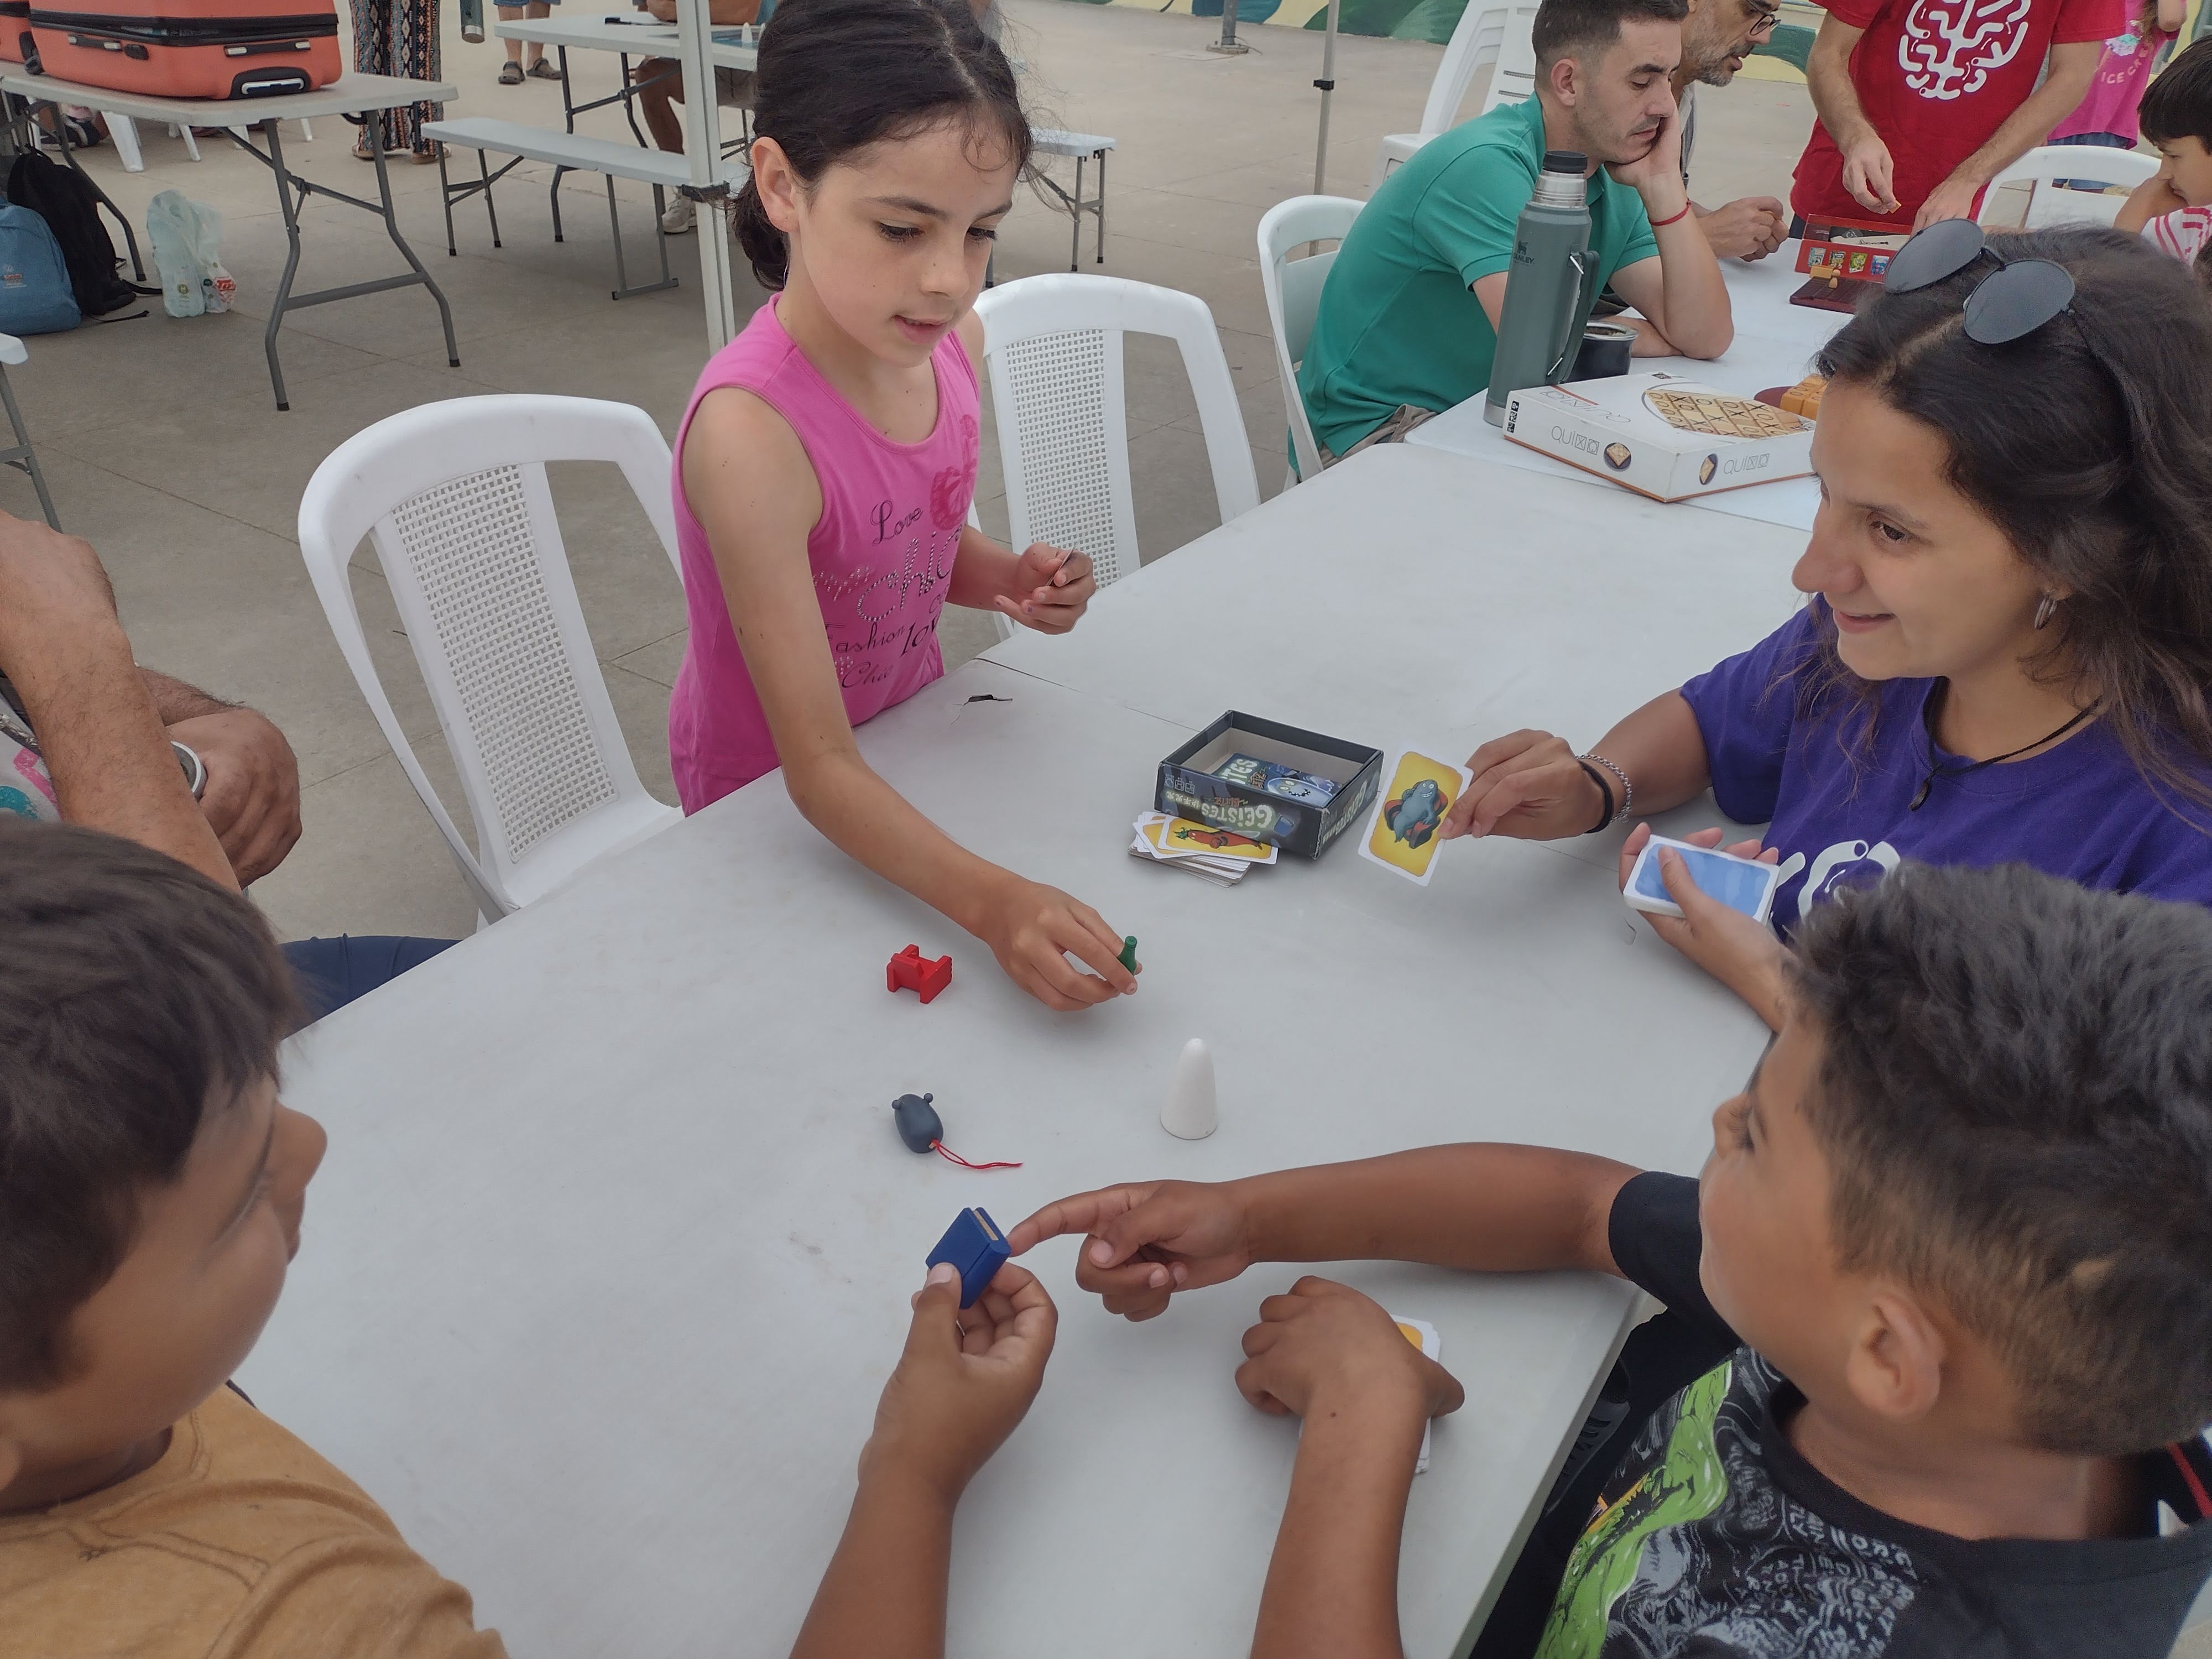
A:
(1514, 80)
(1053, 345)
(454, 496)
(2047, 204)
(1293, 290)
(125, 131)
(1502, 35)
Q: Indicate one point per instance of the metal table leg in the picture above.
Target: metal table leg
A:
(23, 455)
(292, 189)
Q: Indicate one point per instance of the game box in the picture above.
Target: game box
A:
(1662, 435)
(1843, 258)
(1297, 789)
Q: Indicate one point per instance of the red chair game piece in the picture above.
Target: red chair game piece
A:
(911, 971)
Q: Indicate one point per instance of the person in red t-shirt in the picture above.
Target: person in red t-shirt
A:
(1923, 102)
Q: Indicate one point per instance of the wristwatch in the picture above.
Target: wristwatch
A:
(195, 768)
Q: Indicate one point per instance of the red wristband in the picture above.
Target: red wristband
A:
(1660, 224)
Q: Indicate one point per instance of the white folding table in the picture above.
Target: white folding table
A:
(627, 35)
(1775, 345)
(348, 95)
(611, 1252)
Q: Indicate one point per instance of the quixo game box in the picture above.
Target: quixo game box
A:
(1659, 434)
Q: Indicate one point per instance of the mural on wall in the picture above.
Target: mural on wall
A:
(1433, 20)
(1401, 20)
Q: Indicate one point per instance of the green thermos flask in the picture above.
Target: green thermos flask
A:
(1538, 331)
(472, 28)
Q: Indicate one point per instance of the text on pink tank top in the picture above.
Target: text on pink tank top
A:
(881, 553)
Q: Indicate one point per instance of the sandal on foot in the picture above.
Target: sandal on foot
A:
(543, 70)
(510, 73)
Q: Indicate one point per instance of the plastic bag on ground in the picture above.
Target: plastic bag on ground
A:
(187, 239)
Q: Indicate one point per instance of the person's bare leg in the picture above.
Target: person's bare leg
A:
(511, 15)
(654, 103)
(538, 8)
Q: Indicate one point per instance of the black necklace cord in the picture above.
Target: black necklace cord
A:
(1928, 720)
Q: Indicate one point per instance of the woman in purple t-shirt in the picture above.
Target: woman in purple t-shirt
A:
(2006, 656)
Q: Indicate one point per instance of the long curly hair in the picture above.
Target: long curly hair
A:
(2088, 443)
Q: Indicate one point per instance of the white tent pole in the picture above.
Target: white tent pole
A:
(702, 148)
(1327, 85)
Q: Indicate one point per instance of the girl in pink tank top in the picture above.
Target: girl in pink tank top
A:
(827, 461)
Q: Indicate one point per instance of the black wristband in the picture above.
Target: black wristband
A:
(1604, 789)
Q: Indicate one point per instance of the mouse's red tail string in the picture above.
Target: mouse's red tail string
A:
(944, 1151)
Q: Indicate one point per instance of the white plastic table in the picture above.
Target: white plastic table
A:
(349, 94)
(1774, 345)
(611, 1252)
(1440, 601)
(631, 33)
(628, 35)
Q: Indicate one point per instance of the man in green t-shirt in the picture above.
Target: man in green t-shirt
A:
(1398, 338)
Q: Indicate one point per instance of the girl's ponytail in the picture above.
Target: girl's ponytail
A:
(762, 242)
(837, 76)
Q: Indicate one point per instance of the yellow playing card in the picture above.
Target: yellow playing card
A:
(1181, 838)
(1402, 836)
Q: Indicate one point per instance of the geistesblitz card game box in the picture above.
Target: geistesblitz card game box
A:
(1662, 435)
(1295, 789)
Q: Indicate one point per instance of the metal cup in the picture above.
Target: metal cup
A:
(1606, 349)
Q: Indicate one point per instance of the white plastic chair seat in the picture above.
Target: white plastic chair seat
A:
(13, 352)
(1053, 345)
(454, 496)
(1293, 289)
(568, 150)
(2047, 204)
(1397, 149)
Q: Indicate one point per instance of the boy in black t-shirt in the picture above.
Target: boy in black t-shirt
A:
(1938, 1346)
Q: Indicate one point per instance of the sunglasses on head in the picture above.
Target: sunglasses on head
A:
(2013, 301)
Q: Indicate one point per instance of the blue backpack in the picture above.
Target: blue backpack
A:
(35, 296)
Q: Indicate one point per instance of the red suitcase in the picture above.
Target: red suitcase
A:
(192, 48)
(14, 29)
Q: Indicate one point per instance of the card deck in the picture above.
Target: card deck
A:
(1221, 856)
(1423, 1335)
(1401, 836)
(1183, 838)
(1273, 778)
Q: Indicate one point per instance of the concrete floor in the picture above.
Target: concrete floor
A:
(162, 446)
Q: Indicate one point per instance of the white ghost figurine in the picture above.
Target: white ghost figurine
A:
(1189, 1113)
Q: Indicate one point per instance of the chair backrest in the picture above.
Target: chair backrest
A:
(1054, 347)
(1514, 80)
(1474, 41)
(2048, 205)
(1293, 289)
(454, 496)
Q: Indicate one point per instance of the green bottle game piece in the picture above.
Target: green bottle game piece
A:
(1128, 958)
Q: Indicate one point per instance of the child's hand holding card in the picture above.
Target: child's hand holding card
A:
(1402, 836)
